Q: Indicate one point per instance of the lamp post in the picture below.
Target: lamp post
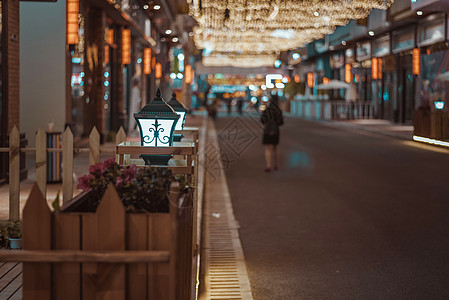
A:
(182, 111)
(156, 122)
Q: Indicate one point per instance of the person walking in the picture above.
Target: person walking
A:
(271, 119)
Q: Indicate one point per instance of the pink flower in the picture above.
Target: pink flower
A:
(108, 163)
(130, 172)
(119, 182)
(83, 183)
(97, 168)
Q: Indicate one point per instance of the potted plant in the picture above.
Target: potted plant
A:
(140, 189)
(14, 232)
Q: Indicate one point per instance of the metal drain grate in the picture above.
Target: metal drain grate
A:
(223, 263)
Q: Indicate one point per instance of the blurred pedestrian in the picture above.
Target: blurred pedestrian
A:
(271, 119)
(240, 105)
(212, 109)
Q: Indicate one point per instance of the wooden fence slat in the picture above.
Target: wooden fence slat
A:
(120, 138)
(80, 256)
(162, 236)
(94, 147)
(136, 239)
(14, 174)
(185, 248)
(159, 238)
(36, 236)
(89, 242)
(111, 220)
(66, 276)
(67, 165)
(41, 161)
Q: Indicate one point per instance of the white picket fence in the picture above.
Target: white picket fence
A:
(41, 162)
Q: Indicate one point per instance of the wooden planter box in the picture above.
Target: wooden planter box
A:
(431, 124)
(108, 254)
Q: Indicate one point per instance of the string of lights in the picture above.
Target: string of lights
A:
(269, 26)
(236, 60)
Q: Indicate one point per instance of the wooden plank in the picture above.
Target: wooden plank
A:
(185, 248)
(94, 147)
(120, 138)
(67, 162)
(36, 236)
(13, 286)
(111, 221)
(41, 161)
(17, 295)
(159, 238)
(58, 256)
(66, 236)
(10, 275)
(175, 150)
(6, 267)
(89, 243)
(162, 236)
(136, 239)
(14, 174)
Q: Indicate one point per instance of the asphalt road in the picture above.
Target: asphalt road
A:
(349, 215)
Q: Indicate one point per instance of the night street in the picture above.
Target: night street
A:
(349, 215)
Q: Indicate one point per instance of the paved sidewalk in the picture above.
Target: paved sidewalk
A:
(384, 127)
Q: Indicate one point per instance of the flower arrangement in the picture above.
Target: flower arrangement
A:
(140, 189)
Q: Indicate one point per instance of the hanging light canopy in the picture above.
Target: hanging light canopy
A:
(261, 27)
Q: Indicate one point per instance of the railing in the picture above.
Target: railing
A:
(352, 110)
(41, 150)
(332, 110)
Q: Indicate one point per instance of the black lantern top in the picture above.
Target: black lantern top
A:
(177, 106)
(157, 108)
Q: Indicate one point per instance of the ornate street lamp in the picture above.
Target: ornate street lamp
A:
(156, 122)
(182, 111)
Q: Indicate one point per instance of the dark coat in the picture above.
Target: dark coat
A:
(271, 119)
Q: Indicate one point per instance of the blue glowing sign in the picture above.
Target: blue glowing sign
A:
(439, 105)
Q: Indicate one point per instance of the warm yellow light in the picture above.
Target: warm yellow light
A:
(297, 78)
(416, 61)
(106, 54)
(72, 22)
(126, 46)
(110, 36)
(310, 80)
(348, 73)
(430, 141)
(158, 71)
(188, 74)
(147, 61)
(325, 80)
(379, 68)
(374, 70)
(264, 27)
(153, 62)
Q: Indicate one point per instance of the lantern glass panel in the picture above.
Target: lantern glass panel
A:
(181, 120)
(156, 132)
